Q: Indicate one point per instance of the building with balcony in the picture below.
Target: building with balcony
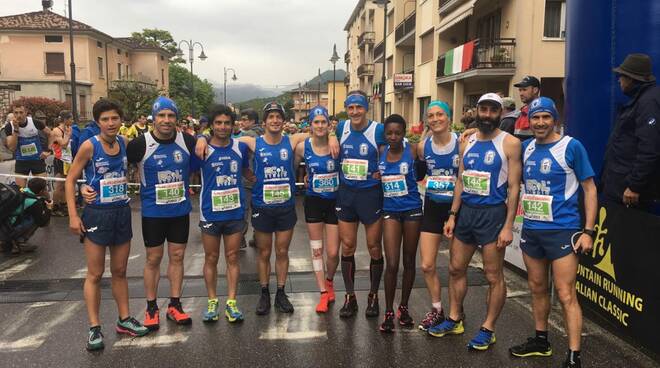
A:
(320, 90)
(35, 59)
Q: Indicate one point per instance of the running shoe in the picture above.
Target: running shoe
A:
(532, 347)
(151, 320)
(373, 309)
(350, 307)
(95, 339)
(232, 313)
(211, 314)
(330, 288)
(446, 327)
(482, 341)
(403, 315)
(431, 319)
(282, 302)
(388, 322)
(572, 362)
(263, 306)
(175, 313)
(131, 326)
(322, 307)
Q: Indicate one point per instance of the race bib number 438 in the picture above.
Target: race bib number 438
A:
(476, 182)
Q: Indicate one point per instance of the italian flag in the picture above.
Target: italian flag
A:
(459, 59)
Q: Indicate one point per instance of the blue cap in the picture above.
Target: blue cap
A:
(443, 105)
(316, 111)
(164, 103)
(543, 104)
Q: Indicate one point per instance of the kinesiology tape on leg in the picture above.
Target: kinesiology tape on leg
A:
(317, 254)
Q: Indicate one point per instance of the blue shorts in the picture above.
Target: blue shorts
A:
(219, 228)
(363, 205)
(107, 225)
(548, 244)
(273, 219)
(480, 225)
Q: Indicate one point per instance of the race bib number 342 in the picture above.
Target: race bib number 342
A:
(537, 207)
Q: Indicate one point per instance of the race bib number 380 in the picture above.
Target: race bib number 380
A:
(537, 207)
(355, 169)
(113, 190)
(276, 193)
(476, 182)
(170, 193)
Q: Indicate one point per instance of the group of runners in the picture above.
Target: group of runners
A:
(366, 172)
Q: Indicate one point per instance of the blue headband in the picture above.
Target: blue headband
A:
(316, 111)
(164, 103)
(543, 104)
(441, 104)
(357, 99)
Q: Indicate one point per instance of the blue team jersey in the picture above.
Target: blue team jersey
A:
(551, 175)
(28, 146)
(485, 172)
(400, 191)
(273, 167)
(442, 169)
(165, 175)
(107, 175)
(322, 173)
(359, 154)
(222, 192)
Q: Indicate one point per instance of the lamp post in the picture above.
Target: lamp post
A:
(191, 45)
(382, 79)
(74, 94)
(225, 82)
(334, 60)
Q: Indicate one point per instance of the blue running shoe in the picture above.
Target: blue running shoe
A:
(211, 314)
(482, 341)
(232, 312)
(446, 327)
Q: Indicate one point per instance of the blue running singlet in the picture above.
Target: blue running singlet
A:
(28, 146)
(322, 173)
(107, 175)
(359, 153)
(485, 171)
(442, 169)
(273, 167)
(400, 191)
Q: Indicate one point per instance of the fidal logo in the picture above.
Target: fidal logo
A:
(602, 253)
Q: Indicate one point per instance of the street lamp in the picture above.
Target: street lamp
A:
(202, 57)
(334, 60)
(225, 82)
(74, 94)
(382, 79)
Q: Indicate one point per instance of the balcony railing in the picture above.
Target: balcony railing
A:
(365, 69)
(448, 5)
(379, 50)
(367, 37)
(495, 53)
(405, 28)
(347, 57)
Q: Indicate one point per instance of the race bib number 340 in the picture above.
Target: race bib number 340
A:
(537, 207)
(170, 193)
(355, 169)
(476, 182)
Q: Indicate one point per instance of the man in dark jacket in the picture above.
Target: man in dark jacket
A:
(632, 158)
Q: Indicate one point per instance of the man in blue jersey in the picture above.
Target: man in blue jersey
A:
(487, 197)
(554, 168)
(360, 199)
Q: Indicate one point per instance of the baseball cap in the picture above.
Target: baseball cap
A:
(273, 106)
(528, 81)
(491, 97)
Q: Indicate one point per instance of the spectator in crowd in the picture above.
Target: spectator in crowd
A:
(33, 213)
(509, 115)
(529, 89)
(5, 152)
(468, 119)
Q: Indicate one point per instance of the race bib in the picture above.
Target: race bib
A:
(476, 182)
(226, 200)
(325, 183)
(440, 185)
(276, 193)
(394, 186)
(170, 193)
(67, 156)
(113, 190)
(355, 169)
(29, 149)
(537, 207)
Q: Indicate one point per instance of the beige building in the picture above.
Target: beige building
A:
(456, 50)
(35, 60)
(314, 93)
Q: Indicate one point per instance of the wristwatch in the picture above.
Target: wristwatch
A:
(590, 232)
(452, 213)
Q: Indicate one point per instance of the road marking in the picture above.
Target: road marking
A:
(16, 269)
(41, 304)
(195, 264)
(302, 325)
(517, 293)
(34, 341)
(300, 264)
(151, 341)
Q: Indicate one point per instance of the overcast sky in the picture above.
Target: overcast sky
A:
(268, 42)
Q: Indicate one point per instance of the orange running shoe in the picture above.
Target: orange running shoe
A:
(330, 288)
(176, 314)
(322, 307)
(151, 321)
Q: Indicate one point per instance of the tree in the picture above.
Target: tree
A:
(159, 38)
(135, 97)
(180, 91)
(43, 108)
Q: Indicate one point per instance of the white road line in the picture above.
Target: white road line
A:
(300, 264)
(16, 269)
(34, 341)
(154, 340)
(302, 325)
(195, 263)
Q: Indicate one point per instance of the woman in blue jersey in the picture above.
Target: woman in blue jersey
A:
(322, 183)
(107, 221)
(402, 214)
(439, 152)
(221, 213)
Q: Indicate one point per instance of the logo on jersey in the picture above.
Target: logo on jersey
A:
(403, 168)
(330, 165)
(233, 166)
(489, 158)
(364, 149)
(284, 154)
(546, 164)
(178, 156)
(454, 161)
(168, 176)
(102, 170)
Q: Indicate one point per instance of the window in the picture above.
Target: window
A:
(118, 51)
(126, 74)
(390, 67)
(100, 62)
(127, 54)
(427, 46)
(50, 39)
(118, 70)
(390, 22)
(555, 19)
(423, 106)
(488, 27)
(54, 63)
(83, 106)
(162, 58)
(162, 76)
(99, 44)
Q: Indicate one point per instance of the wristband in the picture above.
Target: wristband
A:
(590, 232)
